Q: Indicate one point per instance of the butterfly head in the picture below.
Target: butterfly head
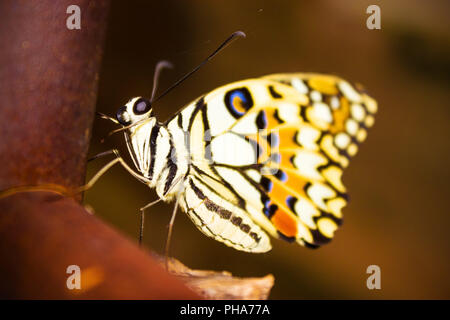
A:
(137, 109)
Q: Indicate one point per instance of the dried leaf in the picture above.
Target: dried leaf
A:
(218, 285)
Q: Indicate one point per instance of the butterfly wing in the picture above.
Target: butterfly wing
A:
(338, 108)
(268, 154)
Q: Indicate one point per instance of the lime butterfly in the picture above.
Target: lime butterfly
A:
(253, 158)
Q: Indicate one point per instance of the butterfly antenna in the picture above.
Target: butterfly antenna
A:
(234, 36)
(159, 66)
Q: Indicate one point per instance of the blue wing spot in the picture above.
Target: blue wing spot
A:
(290, 201)
(281, 175)
(270, 209)
(266, 184)
(238, 101)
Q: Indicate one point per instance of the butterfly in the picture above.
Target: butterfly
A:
(256, 157)
(253, 158)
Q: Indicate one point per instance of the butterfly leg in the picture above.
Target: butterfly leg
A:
(169, 233)
(101, 155)
(142, 212)
(103, 170)
(64, 191)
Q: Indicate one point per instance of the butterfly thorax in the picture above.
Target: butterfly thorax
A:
(158, 157)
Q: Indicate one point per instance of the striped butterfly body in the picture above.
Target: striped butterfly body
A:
(256, 157)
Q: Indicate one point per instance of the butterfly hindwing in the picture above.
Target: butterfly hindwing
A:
(221, 219)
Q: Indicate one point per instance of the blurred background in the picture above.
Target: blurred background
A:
(398, 216)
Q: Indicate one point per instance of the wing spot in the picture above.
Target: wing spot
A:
(245, 228)
(273, 139)
(327, 227)
(266, 184)
(352, 149)
(342, 140)
(361, 135)
(323, 84)
(351, 126)
(270, 209)
(334, 103)
(369, 121)
(322, 112)
(255, 236)
(371, 104)
(223, 213)
(349, 92)
(299, 85)
(236, 221)
(276, 115)
(316, 96)
(290, 201)
(281, 175)
(261, 120)
(358, 112)
(238, 101)
(285, 223)
(274, 94)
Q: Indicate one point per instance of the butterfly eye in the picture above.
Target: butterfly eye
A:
(141, 106)
(123, 116)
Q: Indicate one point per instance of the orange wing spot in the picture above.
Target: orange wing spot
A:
(326, 85)
(272, 121)
(285, 223)
(278, 193)
(239, 104)
(281, 191)
(287, 137)
(286, 159)
(340, 115)
(292, 181)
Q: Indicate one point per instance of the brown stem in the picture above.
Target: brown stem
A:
(48, 88)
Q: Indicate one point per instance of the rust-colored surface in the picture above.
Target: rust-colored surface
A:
(48, 89)
(43, 233)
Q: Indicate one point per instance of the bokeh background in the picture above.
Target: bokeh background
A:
(398, 216)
